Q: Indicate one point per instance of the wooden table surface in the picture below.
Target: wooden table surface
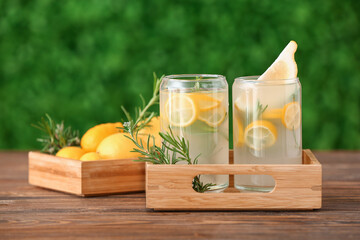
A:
(30, 212)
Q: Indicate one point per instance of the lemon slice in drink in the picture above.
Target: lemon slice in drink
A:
(260, 134)
(242, 105)
(245, 99)
(239, 104)
(205, 102)
(272, 113)
(220, 96)
(180, 110)
(238, 133)
(213, 117)
(284, 67)
(291, 116)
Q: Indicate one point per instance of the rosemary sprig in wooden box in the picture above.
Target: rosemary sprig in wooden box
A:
(56, 135)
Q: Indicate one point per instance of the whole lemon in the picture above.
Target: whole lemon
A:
(153, 129)
(70, 152)
(93, 137)
(90, 156)
(117, 146)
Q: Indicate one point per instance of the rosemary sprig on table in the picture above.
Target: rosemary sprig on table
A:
(174, 149)
(56, 135)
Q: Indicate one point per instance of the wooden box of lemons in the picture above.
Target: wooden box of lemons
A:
(107, 141)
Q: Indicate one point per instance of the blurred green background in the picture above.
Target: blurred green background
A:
(81, 60)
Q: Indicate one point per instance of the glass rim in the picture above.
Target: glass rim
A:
(254, 79)
(206, 77)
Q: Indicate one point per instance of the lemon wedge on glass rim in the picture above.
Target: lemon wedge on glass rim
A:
(284, 67)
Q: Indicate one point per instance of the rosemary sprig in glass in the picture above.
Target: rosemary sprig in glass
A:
(260, 109)
(174, 149)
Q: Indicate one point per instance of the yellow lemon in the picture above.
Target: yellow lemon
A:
(93, 136)
(70, 152)
(180, 110)
(291, 115)
(213, 117)
(90, 156)
(117, 146)
(205, 102)
(260, 134)
(284, 67)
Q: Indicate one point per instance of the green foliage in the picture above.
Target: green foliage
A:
(79, 61)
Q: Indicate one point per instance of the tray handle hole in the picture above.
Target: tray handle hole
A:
(215, 183)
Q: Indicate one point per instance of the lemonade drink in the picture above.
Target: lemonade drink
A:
(267, 120)
(196, 107)
(267, 127)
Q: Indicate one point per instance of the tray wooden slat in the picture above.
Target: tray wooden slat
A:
(298, 186)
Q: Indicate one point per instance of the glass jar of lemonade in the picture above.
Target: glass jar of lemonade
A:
(266, 127)
(195, 106)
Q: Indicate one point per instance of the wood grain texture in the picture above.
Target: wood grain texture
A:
(298, 186)
(86, 178)
(28, 212)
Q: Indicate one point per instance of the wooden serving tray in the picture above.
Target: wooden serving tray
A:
(86, 178)
(297, 186)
